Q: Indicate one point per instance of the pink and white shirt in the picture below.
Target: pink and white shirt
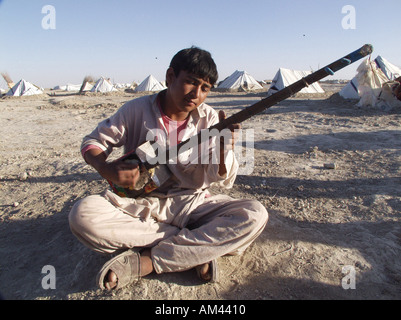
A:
(129, 126)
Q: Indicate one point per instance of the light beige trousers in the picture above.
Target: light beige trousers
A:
(183, 232)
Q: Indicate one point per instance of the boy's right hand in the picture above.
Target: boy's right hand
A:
(121, 173)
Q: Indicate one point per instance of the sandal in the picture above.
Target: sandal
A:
(126, 266)
(213, 272)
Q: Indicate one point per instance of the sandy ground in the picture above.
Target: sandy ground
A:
(322, 220)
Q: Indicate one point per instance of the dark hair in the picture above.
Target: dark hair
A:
(196, 61)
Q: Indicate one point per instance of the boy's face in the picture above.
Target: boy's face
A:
(187, 91)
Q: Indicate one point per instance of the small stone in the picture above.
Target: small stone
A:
(330, 165)
(23, 176)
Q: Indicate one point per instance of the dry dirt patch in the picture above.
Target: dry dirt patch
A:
(321, 219)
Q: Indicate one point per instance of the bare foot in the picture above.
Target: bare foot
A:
(204, 272)
(110, 280)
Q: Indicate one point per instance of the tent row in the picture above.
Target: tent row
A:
(26, 88)
(238, 81)
(104, 85)
(243, 81)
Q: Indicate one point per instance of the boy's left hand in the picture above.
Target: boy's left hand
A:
(229, 145)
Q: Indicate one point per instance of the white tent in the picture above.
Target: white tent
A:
(350, 91)
(391, 71)
(285, 77)
(103, 85)
(72, 87)
(24, 88)
(3, 85)
(375, 88)
(88, 87)
(68, 87)
(150, 84)
(240, 80)
(370, 82)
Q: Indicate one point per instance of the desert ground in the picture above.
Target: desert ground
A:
(327, 171)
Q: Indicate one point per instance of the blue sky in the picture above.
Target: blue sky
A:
(128, 40)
